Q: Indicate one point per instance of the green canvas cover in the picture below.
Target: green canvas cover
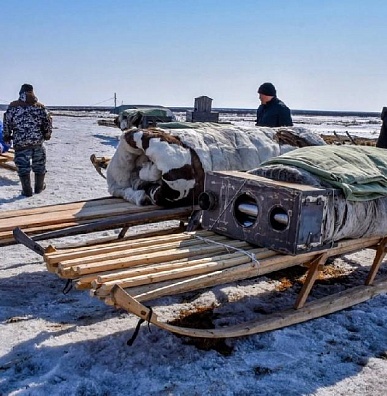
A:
(360, 171)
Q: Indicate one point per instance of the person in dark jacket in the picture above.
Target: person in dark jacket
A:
(382, 139)
(272, 112)
(28, 124)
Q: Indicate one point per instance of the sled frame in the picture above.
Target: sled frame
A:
(301, 312)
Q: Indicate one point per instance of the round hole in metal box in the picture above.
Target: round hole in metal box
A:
(245, 210)
(278, 218)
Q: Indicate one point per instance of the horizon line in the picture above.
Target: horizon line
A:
(216, 109)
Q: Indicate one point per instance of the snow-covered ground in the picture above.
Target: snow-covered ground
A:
(72, 344)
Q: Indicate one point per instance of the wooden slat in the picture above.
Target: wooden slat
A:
(157, 257)
(59, 207)
(245, 269)
(130, 250)
(72, 215)
(116, 246)
(63, 216)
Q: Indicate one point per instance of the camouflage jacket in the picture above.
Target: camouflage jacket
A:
(27, 123)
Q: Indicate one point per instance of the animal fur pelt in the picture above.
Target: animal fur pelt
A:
(166, 166)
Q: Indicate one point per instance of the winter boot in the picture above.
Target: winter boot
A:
(26, 185)
(40, 185)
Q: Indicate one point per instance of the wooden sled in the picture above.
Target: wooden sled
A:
(339, 139)
(129, 272)
(73, 218)
(7, 160)
(100, 164)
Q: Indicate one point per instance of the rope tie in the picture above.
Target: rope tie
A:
(229, 248)
(137, 329)
(229, 203)
(68, 286)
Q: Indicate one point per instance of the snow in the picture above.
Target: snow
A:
(72, 344)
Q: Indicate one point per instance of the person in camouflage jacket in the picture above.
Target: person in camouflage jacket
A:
(28, 124)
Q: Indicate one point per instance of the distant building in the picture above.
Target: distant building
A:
(202, 111)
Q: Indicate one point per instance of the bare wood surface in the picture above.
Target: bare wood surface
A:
(379, 256)
(148, 268)
(312, 310)
(116, 246)
(310, 279)
(7, 160)
(60, 207)
(54, 221)
(142, 259)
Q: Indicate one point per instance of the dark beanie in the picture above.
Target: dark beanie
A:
(26, 88)
(267, 89)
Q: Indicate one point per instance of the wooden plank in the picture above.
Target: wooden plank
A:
(116, 246)
(131, 250)
(60, 207)
(8, 165)
(83, 213)
(170, 274)
(132, 219)
(251, 269)
(86, 280)
(157, 257)
(6, 237)
(168, 266)
(228, 259)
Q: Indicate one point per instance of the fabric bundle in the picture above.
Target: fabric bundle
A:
(357, 173)
(166, 165)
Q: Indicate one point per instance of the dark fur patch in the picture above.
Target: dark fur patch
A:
(163, 194)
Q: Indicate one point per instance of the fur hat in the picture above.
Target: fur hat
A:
(267, 89)
(26, 88)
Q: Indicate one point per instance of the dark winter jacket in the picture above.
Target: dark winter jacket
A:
(26, 122)
(274, 114)
(382, 140)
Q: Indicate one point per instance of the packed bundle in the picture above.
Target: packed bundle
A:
(166, 165)
(358, 175)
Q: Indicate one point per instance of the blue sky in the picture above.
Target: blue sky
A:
(323, 55)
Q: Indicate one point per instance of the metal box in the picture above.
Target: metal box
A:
(285, 217)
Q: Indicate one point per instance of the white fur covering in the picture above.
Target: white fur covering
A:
(170, 166)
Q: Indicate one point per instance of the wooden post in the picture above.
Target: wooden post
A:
(310, 279)
(379, 256)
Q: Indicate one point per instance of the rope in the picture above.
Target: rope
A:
(68, 286)
(140, 322)
(229, 248)
(229, 203)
